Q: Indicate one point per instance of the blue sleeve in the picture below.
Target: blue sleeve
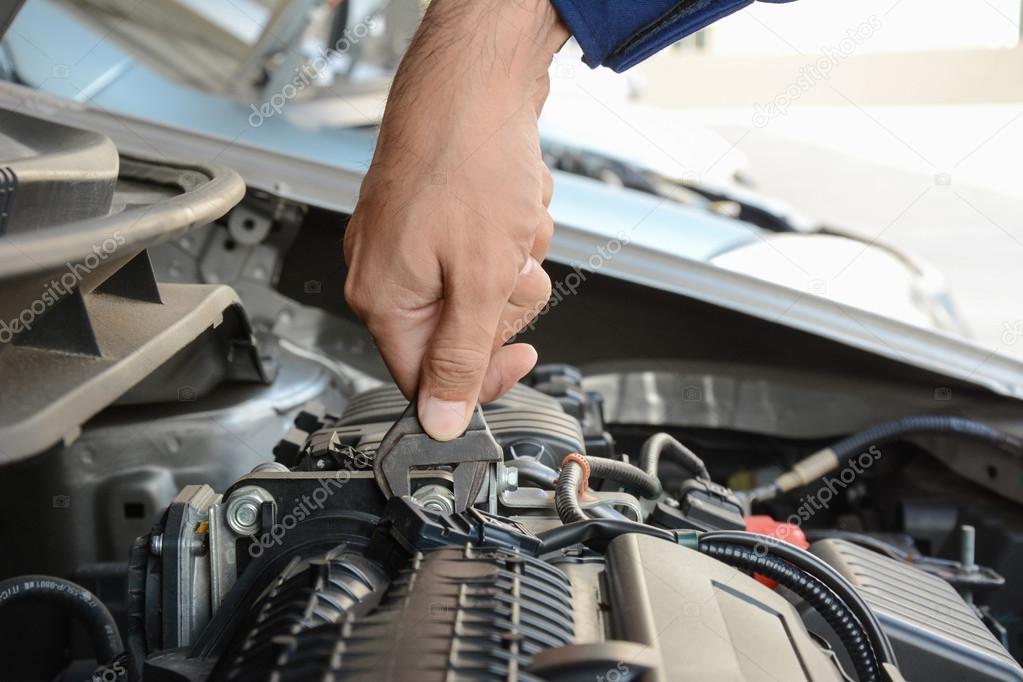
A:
(621, 33)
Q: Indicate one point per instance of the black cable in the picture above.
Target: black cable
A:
(76, 600)
(840, 454)
(837, 615)
(566, 495)
(603, 530)
(631, 477)
(605, 511)
(819, 569)
(665, 445)
(851, 446)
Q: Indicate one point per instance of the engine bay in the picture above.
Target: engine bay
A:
(303, 569)
(752, 503)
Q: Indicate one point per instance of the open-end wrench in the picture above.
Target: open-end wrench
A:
(406, 447)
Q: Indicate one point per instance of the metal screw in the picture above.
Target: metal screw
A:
(508, 478)
(156, 544)
(244, 507)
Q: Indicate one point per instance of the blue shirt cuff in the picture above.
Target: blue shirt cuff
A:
(620, 34)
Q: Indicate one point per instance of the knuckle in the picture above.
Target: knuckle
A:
(496, 281)
(545, 293)
(358, 299)
(455, 366)
(521, 227)
(350, 240)
(546, 226)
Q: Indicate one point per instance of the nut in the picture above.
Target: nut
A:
(435, 498)
(244, 509)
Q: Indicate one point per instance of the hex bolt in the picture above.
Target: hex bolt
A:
(435, 498)
(244, 509)
(509, 478)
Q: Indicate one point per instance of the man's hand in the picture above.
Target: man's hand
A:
(445, 245)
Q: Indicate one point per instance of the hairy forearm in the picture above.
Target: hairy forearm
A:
(446, 243)
(471, 62)
(504, 41)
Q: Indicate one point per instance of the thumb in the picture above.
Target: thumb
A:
(456, 360)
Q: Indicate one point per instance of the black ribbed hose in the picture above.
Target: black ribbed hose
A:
(837, 615)
(818, 568)
(566, 494)
(853, 445)
(665, 445)
(76, 600)
(631, 477)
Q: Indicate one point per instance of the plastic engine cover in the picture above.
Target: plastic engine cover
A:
(704, 619)
(935, 633)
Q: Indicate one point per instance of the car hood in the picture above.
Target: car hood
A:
(620, 233)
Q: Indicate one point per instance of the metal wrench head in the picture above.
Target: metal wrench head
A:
(406, 447)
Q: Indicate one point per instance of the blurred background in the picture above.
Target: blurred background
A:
(900, 120)
(896, 124)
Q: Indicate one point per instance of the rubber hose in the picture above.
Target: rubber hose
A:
(566, 495)
(818, 568)
(531, 471)
(76, 600)
(631, 477)
(138, 557)
(815, 593)
(603, 530)
(849, 447)
(665, 445)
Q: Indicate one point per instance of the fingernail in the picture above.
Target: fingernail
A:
(528, 267)
(443, 419)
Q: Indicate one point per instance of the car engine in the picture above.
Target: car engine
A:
(293, 522)
(302, 569)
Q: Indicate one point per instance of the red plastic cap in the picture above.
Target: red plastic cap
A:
(780, 530)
